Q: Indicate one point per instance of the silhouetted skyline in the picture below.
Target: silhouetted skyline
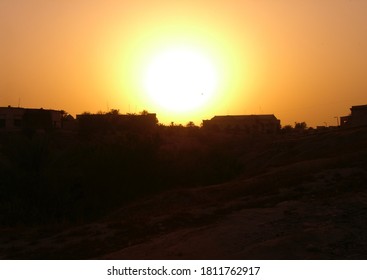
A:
(302, 61)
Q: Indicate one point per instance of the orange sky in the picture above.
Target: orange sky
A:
(301, 60)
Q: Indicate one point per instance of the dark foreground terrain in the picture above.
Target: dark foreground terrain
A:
(295, 197)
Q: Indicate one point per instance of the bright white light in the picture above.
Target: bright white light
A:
(180, 79)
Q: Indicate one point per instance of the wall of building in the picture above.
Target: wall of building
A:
(13, 118)
(244, 123)
(358, 117)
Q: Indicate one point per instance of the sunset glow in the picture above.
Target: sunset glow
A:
(186, 60)
(180, 80)
(149, 131)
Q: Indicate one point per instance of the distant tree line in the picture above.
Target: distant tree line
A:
(298, 127)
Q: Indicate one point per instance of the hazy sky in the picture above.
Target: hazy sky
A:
(302, 60)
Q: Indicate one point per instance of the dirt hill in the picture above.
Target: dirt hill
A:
(298, 197)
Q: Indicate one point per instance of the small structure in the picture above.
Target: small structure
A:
(16, 118)
(244, 123)
(358, 117)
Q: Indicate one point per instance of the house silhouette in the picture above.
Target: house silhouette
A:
(358, 117)
(17, 118)
(244, 123)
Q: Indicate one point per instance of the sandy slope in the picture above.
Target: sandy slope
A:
(330, 227)
(308, 202)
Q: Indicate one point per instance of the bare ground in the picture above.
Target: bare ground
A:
(306, 209)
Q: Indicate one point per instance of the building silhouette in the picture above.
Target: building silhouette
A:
(17, 118)
(358, 117)
(244, 123)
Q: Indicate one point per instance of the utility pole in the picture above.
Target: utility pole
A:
(337, 120)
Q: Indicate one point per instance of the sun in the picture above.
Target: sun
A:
(180, 79)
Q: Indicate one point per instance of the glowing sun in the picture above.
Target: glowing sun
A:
(180, 79)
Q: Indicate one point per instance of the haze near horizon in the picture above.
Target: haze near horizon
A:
(186, 61)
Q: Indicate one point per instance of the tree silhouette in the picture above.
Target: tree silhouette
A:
(300, 126)
(114, 112)
(144, 113)
(287, 128)
(190, 124)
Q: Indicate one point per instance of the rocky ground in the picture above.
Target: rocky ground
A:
(307, 201)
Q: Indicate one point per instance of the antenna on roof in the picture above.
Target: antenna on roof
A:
(18, 102)
(260, 110)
